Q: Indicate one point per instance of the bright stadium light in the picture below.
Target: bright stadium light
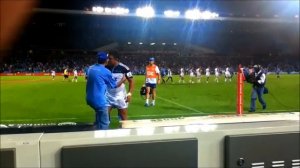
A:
(146, 12)
(171, 13)
(296, 16)
(128, 42)
(209, 15)
(98, 9)
(174, 43)
(152, 43)
(120, 11)
(193, 14)
(163, 43)
(111, 11)
(140, 43)
(108, 10)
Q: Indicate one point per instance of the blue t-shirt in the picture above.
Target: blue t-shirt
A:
(99, 79)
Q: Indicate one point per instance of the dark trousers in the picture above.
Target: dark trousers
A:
(257, 92)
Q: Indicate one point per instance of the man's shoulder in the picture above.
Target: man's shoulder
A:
(123, 66)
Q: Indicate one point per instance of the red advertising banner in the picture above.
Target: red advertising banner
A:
(36, 74)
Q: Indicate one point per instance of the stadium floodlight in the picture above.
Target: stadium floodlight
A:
(128, 42)
(208, 15)
(140, 43)
(174, 43)
(171, 13)
(111, 11)
(98, 9)
(152, 43)
(108, 10)
(146, 12)
(163, 43)
(120, 11)
(193, 14)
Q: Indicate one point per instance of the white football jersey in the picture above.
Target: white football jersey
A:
(75, 72)
(191, 72)
(207, 71)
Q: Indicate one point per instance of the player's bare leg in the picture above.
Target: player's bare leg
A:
(198, 79)
(122, 113)
(217, 79)
(153, 97)
(147, 96)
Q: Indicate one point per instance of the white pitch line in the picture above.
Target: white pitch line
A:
(42, 119)
(186, 107)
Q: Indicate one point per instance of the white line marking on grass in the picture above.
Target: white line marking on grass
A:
(183, 115)
(183, 106)
(42, 119)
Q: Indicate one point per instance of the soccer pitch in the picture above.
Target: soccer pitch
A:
(32, 99)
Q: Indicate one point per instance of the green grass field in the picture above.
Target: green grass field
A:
(31, 99)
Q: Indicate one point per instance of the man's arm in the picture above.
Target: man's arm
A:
(110, 81)
(130, 89)
(158, 75)
(129, 78)
(262, 79)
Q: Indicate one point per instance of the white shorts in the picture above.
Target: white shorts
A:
(181, 75)
(198, 75)
(227, 75)
(192, 75)
(217, 74)
(117, 99)
(207, 75)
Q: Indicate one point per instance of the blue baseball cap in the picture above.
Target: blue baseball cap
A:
(102, 56)
(151, 59)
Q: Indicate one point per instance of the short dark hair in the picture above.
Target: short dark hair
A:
(115, 54)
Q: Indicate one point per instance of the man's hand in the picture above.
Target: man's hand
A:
(128, 98)
(158, 81)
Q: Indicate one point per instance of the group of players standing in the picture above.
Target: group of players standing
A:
(198, 75)
(66, 74)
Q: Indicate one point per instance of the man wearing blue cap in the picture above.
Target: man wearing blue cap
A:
(98, 80)
(152, 78)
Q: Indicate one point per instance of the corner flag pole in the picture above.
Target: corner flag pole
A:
(240, 92)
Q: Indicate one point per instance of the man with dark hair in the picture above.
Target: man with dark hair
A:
(99, 79)
(117, 97)
(259, 81)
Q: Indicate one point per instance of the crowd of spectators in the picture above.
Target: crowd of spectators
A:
(136, 61)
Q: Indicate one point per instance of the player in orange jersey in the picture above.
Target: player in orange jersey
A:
(152, 78)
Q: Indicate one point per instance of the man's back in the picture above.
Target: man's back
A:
(99, 78)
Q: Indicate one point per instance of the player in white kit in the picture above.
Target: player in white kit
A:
(217, 74)
(75, 73)
(207, 73)
(119, 98)
(192, 75)
(169, 74)
(198, 73)
(181, 75)
(227, 75)
(53, 74)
